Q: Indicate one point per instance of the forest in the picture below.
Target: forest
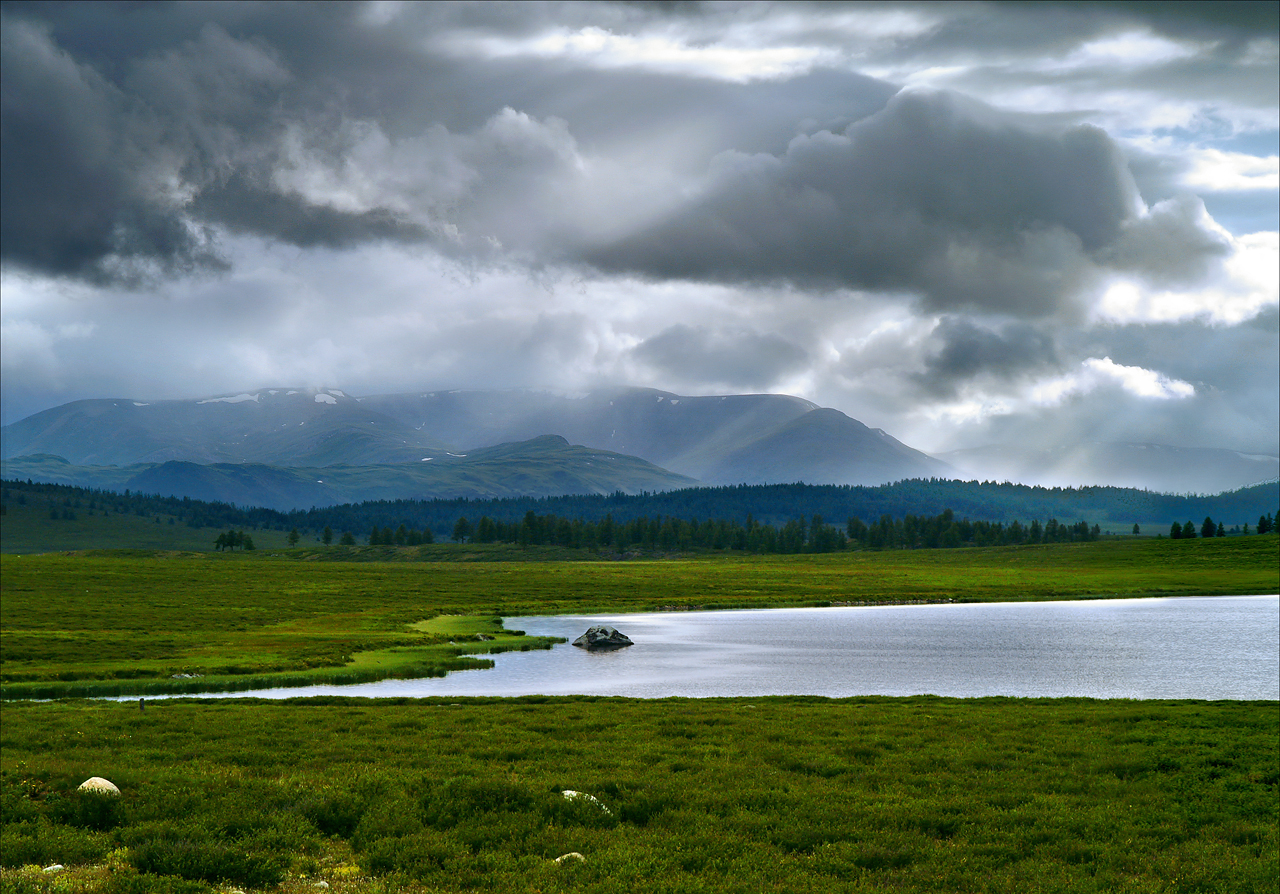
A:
(791, 518)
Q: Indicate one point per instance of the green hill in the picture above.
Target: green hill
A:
(542, 467)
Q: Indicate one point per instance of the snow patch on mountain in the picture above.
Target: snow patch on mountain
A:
(237, 399)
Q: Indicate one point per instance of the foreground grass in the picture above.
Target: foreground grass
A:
(111, 624)
(773, 794)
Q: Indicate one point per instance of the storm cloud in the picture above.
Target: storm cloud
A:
(735, 358)
(968, 350)
(954, 222)
(934, 195)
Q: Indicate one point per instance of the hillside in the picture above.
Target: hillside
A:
(284, 427)
(546, 466)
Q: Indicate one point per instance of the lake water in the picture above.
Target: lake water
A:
(1224, 647)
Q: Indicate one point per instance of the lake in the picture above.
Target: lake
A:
(1223, 647)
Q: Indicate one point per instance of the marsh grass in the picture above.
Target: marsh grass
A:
(126, 623)
(786, 794)
(767, 794)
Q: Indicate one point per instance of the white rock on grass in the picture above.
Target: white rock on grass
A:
(99, 785)
(56, 867)
(571, 795)
(573, 856)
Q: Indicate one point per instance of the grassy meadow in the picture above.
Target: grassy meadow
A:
(763, 794)
(771, 794)
(29, 527)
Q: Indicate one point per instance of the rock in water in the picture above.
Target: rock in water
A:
(600, 639)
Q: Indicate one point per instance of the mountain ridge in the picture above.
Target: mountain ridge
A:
(543, 467)
(723, 439)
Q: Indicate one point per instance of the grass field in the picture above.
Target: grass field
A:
(29, 528)
(714, 795)
(774, 794)
(104, 623)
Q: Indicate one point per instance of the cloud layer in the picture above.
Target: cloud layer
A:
(957, 223)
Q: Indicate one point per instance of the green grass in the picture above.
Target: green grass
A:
(766, 794)
(99, 624)
(770, 794)
(27, 528)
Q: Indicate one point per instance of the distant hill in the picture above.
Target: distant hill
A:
(283, 427)
(546, 466)
(1156, 467)
(731, 439)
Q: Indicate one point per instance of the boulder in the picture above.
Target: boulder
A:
(571, 795)
(571, 857)
(600, 639)
(99, 785)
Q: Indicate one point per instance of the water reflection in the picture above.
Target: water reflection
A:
(1225, 647)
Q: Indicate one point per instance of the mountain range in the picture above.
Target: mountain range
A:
(297, 447)
(292, 447)
(1154, 467)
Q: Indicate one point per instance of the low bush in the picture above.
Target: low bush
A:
(189, 852)
(100, 811)
(43, 842)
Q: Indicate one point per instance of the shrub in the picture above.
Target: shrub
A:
(419, 856)
(131, 883)
(87, 810)
(43, 842)
(458, 800)
(579, 811)
(334, 813)
(191, 855)
(390, 818)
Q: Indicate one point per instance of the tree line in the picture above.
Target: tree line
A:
(1210, 528)
(797, 535)
(743, 506)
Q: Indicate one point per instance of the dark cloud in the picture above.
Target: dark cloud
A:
(399, 193)
(80, 198)
(1171, 246)
(971, 208)
(1189, 18)
(111, 180)
(969, 351)
(734, 357)
(244, 208)
(133, 131)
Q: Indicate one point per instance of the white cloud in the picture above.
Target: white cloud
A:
(1214, 170)
(599, 48)
(1248, 285)
(1096, 373)
(1092, 374)
(1133, 49)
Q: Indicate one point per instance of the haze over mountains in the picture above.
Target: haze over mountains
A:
(269, 446)
(296, 447)
(1156, 467)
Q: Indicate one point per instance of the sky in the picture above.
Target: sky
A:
(964, 223)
